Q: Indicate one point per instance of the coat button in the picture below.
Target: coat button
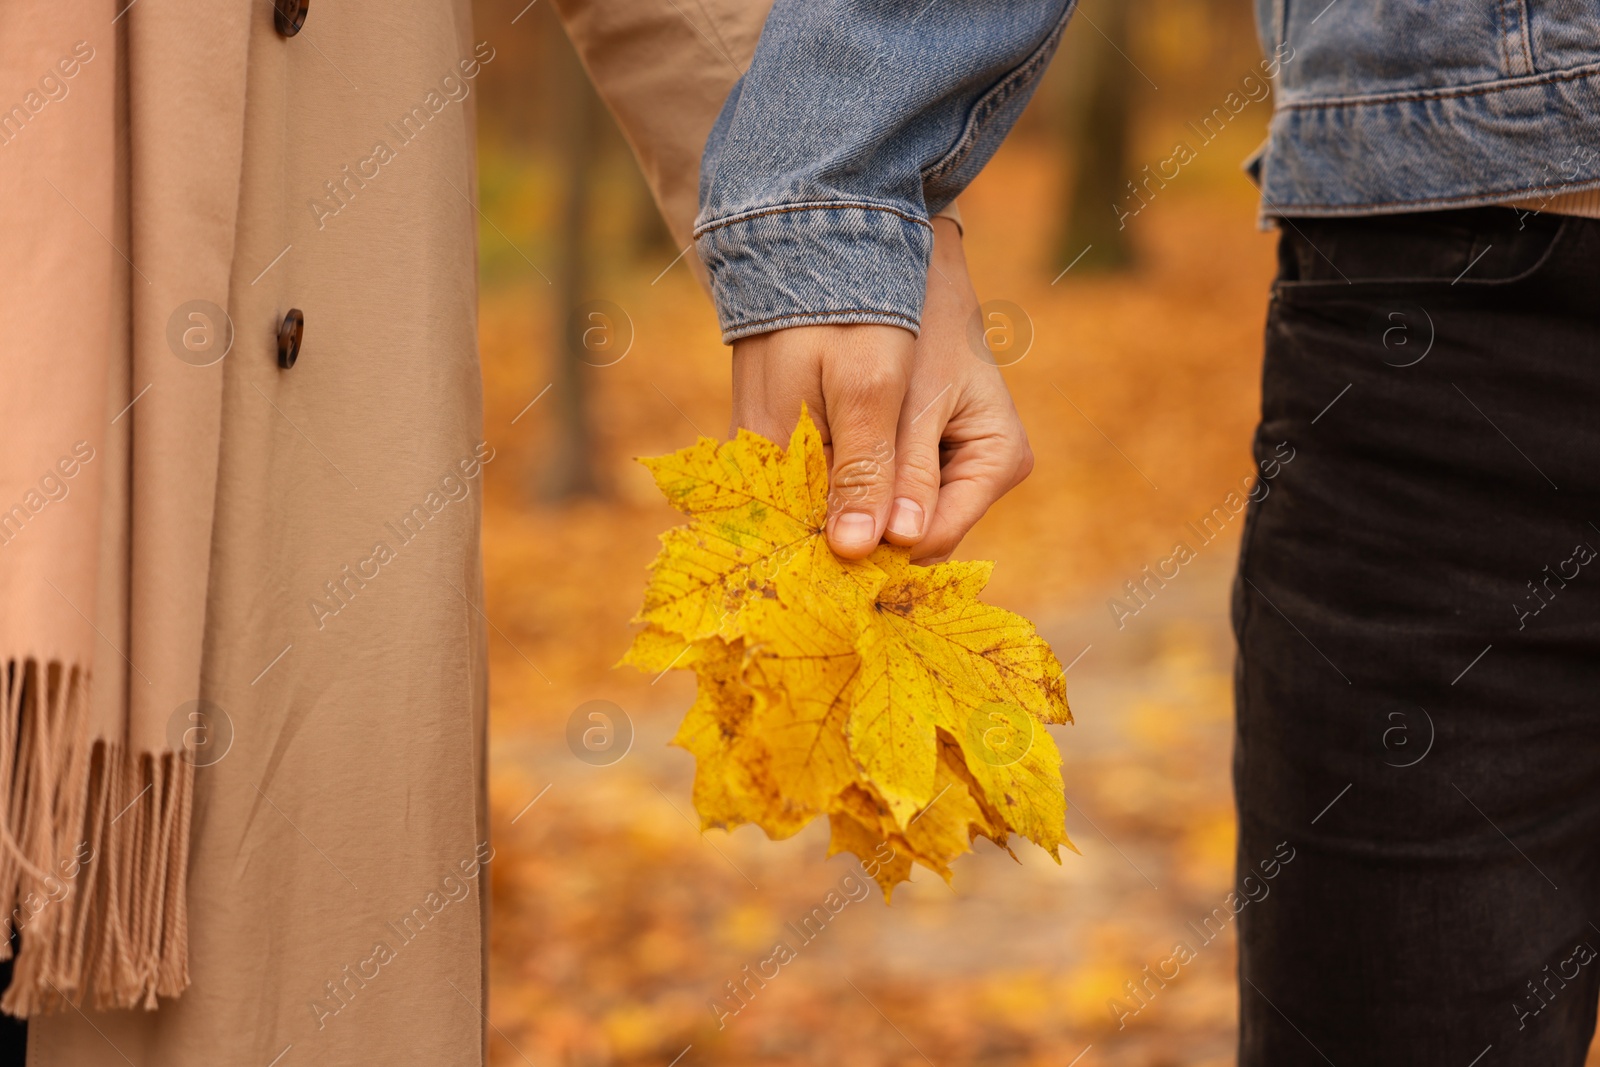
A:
(290, 330)
(289, 15)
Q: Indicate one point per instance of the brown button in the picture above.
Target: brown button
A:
(289, 15)
(290, 330)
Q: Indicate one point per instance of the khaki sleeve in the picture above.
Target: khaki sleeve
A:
(664, 68)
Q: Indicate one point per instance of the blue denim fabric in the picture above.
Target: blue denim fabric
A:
(856, 121)
(1405, 105)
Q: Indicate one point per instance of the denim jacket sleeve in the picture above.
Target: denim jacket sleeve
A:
(855, 121)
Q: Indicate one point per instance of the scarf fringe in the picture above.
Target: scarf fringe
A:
(94, 853)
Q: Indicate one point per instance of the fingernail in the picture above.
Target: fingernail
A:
(853, 528)
(906, 518)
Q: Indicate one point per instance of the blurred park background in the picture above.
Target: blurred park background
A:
(617, 923)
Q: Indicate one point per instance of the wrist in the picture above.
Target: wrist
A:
(822, 264)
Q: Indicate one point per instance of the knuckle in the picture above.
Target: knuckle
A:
(872, 383)
(866, 471)
(860, 479)
(919, 469)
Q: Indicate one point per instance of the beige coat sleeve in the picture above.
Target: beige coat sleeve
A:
(664, 68)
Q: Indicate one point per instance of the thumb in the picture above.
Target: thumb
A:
(863, 388)
(917, 466)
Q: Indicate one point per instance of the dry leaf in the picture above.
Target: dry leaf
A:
(883, 695)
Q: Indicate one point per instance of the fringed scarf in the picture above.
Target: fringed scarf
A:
(121, 130)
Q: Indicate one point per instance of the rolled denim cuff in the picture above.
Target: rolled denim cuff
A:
(807, 264)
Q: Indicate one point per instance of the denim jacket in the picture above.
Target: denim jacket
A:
(856, 120)
(1410, 105)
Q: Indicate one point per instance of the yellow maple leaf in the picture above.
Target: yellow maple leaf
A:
(802, 663)
(655, 650)
(886, 860)
(933, 837)
(945, 828)
(883, 695)
(935, 657)
(754, 506)
(733, 782)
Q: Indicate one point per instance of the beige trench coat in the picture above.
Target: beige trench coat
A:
(337, 891)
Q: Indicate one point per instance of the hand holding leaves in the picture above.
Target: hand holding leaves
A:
(923, 434)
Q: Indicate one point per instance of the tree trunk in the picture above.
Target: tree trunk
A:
(1099, 149)
(572, 471)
